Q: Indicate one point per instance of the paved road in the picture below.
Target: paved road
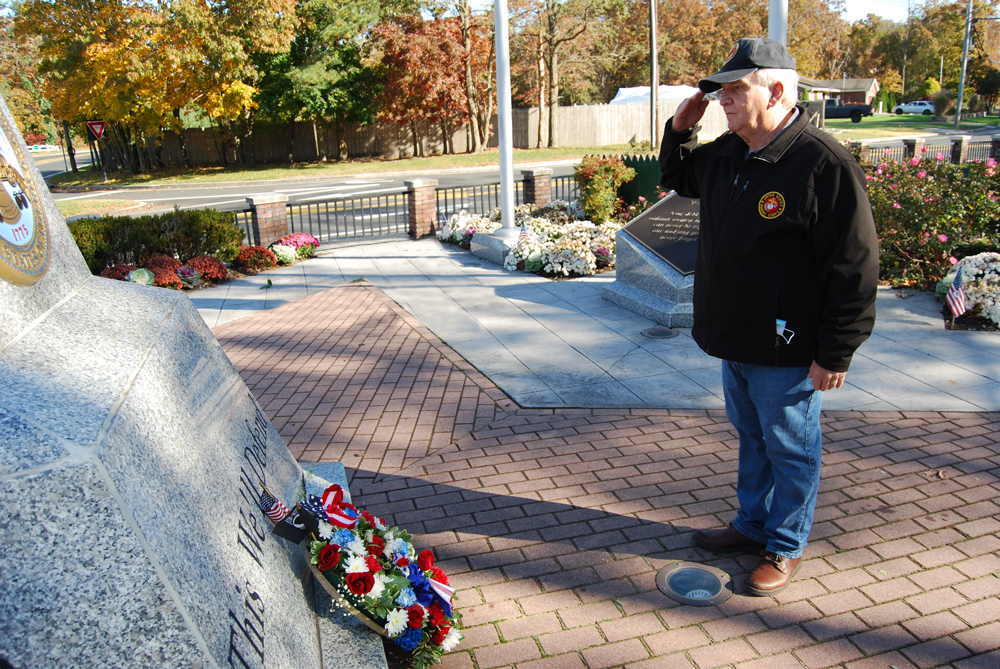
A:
(232, 197)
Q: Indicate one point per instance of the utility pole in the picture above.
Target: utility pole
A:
(654, 77)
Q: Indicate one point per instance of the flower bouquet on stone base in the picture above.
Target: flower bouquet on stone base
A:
(372, 572)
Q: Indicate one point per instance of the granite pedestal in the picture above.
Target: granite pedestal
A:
(492, 247)
(132, 456)
(649, 286)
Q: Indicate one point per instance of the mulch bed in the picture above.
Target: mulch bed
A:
(967, 321)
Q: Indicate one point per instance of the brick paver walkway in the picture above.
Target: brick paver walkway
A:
(553, 523)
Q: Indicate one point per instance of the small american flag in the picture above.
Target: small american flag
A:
(956, 296)
(524, 233)
(272, 507)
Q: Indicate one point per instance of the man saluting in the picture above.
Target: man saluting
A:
(784, 291)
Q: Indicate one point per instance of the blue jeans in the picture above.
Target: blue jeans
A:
(776, 414)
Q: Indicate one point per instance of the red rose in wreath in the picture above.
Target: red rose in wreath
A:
(426, 560)
(329, 556)
(435, 615)
(437, 575)
(438, 638)
(416, 613)
(373, 565)
(360, 584)
(376, 546)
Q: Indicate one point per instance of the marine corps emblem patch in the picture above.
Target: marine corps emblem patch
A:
(771, 205)
(24, 230)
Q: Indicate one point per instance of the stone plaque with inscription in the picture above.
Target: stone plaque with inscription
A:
(670, 230)
(132, 456)
(654, 262)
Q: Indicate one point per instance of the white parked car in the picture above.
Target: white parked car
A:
(916, 107)
(43, 147)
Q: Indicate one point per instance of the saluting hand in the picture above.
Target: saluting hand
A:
(690, 112)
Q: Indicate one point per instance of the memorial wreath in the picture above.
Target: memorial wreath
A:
(373, 572)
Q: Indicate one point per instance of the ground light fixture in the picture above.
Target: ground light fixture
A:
(694, 584)
(660, 332)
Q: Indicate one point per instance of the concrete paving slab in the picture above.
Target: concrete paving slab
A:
(675, 388)
(607, 394)
(635, 364)
(986, 396)
(890, 385)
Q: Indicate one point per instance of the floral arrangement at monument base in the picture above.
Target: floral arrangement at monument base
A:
(372, 572)
(460, 227)
(980, 284)
(554, 239)
(305, 245)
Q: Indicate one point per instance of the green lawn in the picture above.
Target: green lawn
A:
(99, 207)
(890, 125)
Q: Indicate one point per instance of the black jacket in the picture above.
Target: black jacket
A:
(785, 234)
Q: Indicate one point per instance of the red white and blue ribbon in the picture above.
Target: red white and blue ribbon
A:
(337, 510)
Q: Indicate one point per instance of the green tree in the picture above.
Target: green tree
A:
(21, 84)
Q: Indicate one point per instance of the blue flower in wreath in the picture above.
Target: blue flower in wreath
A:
(342, 537)
(406, 598)
(409, 639)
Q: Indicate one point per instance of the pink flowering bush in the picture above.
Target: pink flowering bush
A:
(304, 244)
(925, 208)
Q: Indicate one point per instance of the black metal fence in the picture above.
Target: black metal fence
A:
(976, 151)
(479, 200)
(244, 219)
(351, 218)
(565, 188)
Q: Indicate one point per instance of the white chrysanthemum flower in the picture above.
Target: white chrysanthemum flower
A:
(379, 587)
(396, 622)
(451, 640)
(357, 547)
(356, 564)
(325, 530)
(369, 535)
(285, 254)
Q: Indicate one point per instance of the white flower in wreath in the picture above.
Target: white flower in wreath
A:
(325, 530)
(356, 564)
(396, 622)
(357, 547)
(451, 640)
(379, 587)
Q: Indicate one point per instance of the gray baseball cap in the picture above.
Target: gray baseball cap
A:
(749, 55)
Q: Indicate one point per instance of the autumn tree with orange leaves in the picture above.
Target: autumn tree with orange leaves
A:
(422, 63)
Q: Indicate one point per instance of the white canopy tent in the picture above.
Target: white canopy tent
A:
(640, 94)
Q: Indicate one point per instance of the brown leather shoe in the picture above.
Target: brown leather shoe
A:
(772, 574)
(727, 540)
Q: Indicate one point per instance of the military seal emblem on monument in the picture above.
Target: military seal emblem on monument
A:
(24, 232)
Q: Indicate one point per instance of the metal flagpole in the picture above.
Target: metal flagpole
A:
(777, 21)
(504, 138)
(965, 61)
(654, 77)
